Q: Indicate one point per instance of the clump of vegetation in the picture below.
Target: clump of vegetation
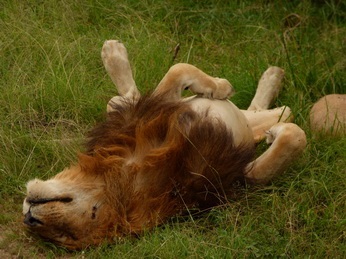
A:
(54, 88)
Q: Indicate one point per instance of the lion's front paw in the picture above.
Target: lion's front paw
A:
(113, 54)
(115, 60)
(215, 88)
(223, 89)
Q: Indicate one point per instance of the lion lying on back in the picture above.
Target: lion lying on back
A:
(160, 155)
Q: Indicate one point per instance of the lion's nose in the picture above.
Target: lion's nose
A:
(31, 221)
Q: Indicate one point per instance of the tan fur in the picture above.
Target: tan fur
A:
(286, 138)
(184, 76)
(159, 155)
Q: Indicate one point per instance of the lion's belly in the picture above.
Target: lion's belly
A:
(227, 112)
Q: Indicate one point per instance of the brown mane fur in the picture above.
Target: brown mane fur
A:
(159, 158)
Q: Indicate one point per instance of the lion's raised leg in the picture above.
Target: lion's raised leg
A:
(287, 143)
(287, 139)
(268, 89)
(115, 60)
(259, 117)
(184, 76)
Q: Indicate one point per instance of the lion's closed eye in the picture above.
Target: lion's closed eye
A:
(46, 200)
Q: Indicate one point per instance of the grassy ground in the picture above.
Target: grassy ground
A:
(54, 88)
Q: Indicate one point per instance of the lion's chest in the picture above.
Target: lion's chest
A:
(227, 112)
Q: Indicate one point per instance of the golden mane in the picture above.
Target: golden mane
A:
(159, 158)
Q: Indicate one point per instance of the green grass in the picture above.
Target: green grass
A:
(54, 88)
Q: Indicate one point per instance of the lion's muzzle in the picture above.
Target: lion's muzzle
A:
(31, 221)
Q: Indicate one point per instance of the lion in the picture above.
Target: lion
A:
(160, 155)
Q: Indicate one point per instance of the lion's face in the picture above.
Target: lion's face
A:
(67, 211)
